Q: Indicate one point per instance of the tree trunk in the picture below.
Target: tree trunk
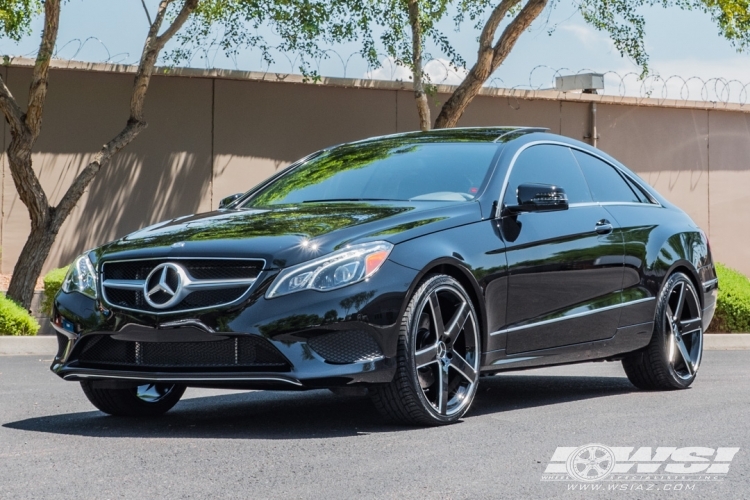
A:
(29, 265)
(489, 57)
(25, 127)
(423, 108)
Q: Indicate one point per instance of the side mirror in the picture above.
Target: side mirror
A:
(538, 198)
(225, 202)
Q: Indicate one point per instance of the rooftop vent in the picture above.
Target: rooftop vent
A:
(588, 83)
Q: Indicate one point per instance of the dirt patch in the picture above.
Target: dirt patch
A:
(5, 281)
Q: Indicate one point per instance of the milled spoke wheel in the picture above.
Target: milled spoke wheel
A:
(438, 367)
(672, 358)
(146, 400)
(685, 325)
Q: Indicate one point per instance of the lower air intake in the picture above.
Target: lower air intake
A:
(243, 353)
(346, 347)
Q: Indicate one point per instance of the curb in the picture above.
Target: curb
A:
(726, 341)
(46, 345)
(43, 345)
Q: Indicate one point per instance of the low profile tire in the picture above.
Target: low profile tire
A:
(147, 400)
(672, 358)
(438, 357)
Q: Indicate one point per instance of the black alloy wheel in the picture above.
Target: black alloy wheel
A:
(672, 359)
(438, 357)
(148, 400)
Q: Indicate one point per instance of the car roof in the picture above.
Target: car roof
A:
(460, 134)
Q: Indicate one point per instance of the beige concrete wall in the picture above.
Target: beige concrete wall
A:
(165, 172)
(667, 147)
(211, 135)
(729, 193)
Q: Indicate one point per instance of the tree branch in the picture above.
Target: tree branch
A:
(13, 113)
(423, 108)
(489, 57)
(496, 17)
(25, 127)
(40, 76)
(135, 125)
(145, 9)
(152, 47)
(517, 26)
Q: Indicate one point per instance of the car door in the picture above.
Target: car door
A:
(638, 217)
(565, 267)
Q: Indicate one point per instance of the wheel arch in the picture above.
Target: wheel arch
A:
(459, 272)
(686, 268)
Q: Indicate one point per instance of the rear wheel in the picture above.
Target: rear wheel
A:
(672, 359)
(438, 357)
(146, 400)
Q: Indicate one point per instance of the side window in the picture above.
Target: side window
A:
(548, 164)
(639, 191)
(606, 184)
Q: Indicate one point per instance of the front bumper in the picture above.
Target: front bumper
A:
(319, 339)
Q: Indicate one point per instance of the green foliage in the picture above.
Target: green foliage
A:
(733, 305)
(391, 18)
(232, 25)
(624, 23)
(15, 320)
(53, 280)
(16, 15)
(733, 19)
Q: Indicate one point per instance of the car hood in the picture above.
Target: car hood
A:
(287, 235)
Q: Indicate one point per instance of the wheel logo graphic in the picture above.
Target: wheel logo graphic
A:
(592, 462)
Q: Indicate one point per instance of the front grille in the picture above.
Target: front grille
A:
(133, 299)
(245, 353)
(346, 347)
(124, 283)
(200, 269)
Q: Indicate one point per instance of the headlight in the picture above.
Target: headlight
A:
(335, 270)
(81, 277)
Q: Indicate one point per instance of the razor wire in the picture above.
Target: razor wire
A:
(278, 63)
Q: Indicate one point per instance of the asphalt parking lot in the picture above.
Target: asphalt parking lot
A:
(216, 444)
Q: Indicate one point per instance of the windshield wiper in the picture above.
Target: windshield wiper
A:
(350, 199)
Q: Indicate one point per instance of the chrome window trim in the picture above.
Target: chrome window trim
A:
(181, 311)
(612, 204)
(572, 316)
(525, 130)
(526, 146)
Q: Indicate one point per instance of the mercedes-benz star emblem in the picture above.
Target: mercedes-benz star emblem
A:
(164, 286)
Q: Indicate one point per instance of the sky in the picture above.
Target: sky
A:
(688, 58)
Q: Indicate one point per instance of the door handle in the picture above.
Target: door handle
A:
(603, 227)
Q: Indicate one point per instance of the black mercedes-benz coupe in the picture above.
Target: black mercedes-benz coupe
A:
(409, 265)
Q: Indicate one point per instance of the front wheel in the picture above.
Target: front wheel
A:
(672, 358)
(148, 400)
(438, 357)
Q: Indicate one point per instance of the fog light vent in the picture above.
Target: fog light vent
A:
(346, 347)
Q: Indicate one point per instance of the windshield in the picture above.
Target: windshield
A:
(383, 170)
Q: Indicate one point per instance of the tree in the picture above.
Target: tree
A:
(26, 125)
(297, 22)
(407, 24)
(733, 19)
